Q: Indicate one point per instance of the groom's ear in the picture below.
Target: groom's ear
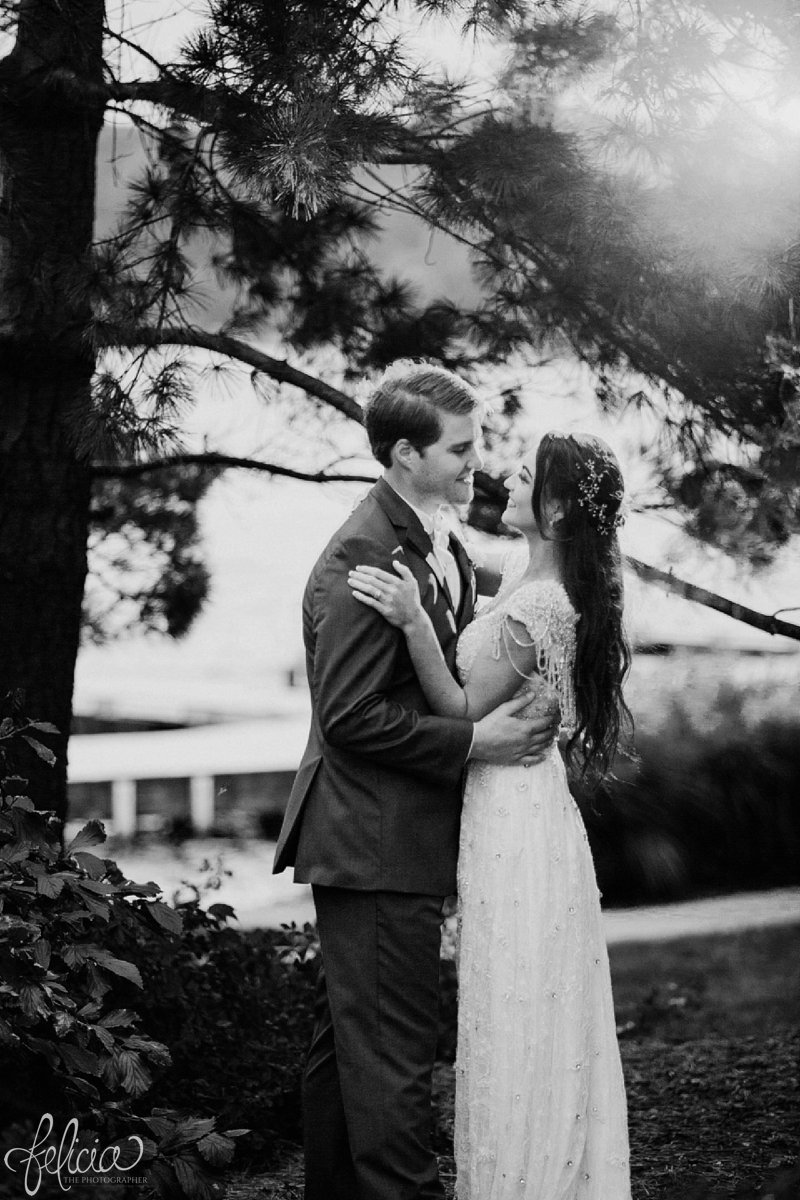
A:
(404, 455)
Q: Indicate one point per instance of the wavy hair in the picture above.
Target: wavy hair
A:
(581, 472)
(407, 403)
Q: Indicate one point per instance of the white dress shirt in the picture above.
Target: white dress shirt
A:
(442, 559)
(439, 528)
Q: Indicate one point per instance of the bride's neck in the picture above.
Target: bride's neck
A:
(543, 560)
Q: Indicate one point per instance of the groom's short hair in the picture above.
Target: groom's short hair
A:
(406, 404)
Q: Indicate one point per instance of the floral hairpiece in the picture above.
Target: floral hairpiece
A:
(605, 516)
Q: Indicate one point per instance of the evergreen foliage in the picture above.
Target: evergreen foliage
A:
(658, 238)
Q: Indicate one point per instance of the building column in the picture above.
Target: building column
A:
(123, 807)
(201, 802)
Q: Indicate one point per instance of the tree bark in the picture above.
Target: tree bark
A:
(48, 138)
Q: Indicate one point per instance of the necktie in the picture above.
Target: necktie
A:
(445, 557)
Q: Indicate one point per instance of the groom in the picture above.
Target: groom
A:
(373, 819)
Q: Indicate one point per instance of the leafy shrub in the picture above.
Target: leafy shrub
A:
(71, 930)
(707, 809)
(65, 915)
(236, 1010)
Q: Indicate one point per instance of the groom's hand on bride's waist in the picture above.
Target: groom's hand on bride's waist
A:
(503, 736)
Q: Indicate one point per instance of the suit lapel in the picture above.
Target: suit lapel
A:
(411, 534)
(466, 608)
(417, 548)
(403, 517)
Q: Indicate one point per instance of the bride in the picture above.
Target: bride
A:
(540, 1099)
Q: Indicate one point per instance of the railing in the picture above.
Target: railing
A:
(200, 754)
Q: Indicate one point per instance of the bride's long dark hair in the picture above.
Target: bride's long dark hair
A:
(581, 472)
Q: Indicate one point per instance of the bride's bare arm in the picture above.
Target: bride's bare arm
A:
(492, 680)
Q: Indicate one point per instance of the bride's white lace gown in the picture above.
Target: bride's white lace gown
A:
(540, 1098)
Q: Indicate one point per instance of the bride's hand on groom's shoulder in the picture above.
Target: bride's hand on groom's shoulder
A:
(503, 736)
(395, 597)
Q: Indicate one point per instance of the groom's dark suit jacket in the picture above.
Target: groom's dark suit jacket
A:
(376, 803)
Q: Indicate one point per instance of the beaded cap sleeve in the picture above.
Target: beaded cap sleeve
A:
(548, 620)
(536, 614)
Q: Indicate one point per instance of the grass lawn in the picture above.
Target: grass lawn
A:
(709, 1040)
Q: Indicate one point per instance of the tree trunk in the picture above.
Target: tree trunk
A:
(51, 111)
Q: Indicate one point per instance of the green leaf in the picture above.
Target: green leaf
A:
(79, 953)
(107, 1039)
(33, 1000)
(76, 919)
(120, 1016)
(77, 1083)
(77, 1060)
(216, 1149)
(162, 1127)
(98, 908)
(140, 889)
(118, 966)
(134, 1075)
(165, 916)
(194, 1128)
(49, 886)
(44, 752)
(149, 1148)
(94, 867)
(98, 887)
(89, 1011)
(96, 982)
(156, 1051)
(58, 992)
(161, 1178)
(191, 1178)
(110, 1073)
(63, 1023)
(92, 834)
(6, 727)
(13, 854)
(222, 911)
(23, 802)
(44, 727)
(41, 952)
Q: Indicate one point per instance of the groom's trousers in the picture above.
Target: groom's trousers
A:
(367, 1085)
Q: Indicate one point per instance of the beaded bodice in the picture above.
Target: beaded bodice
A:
(543, 610)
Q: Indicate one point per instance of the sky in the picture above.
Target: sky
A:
(160, 26)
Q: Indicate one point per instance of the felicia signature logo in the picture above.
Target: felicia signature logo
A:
(63, 1161)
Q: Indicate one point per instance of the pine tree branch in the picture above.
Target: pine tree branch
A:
(182, 96)
(213, 459)
(690, 591)
(221, 343)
